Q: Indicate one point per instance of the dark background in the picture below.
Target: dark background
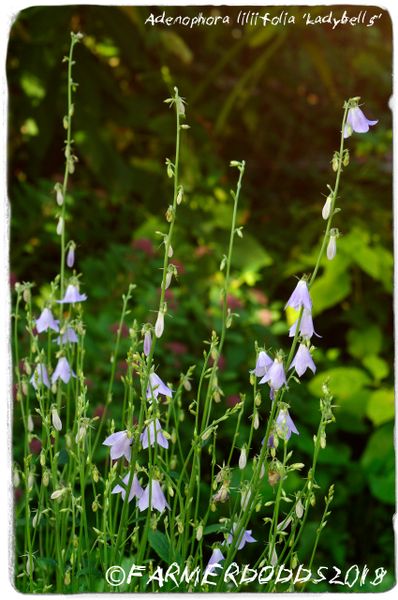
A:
(272, 96)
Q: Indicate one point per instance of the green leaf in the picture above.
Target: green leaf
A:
(160, 544)
(249, 255)
(360, 341)
(378, 463)
(380, 408)
(333, 286)
(344, 382)
(377, 366)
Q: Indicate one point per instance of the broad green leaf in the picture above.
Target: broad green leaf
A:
(362, 342)
(249, 255)
(380, 408)
(160, 544)
(332, 286)
(378, 463)
(377, 366)
(344, 382)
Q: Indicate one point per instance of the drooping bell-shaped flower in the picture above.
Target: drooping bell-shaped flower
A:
(263, 363)
(40, 377)
(215, 559)
(303, 361)
(120, 444)
(306, 326)
(69, 335)
(62, 371)
(136, 490)
(46, 321)
(156, 386)
(356, 121)
(300, 297)
(72, 295)
(151, 433)
(244, 538)
(158, 499)
(275, 375)
(284, 425)
(147, 343)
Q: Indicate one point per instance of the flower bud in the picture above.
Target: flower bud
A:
(331, 249)
(57, 423)
(70, 259)
(199, 532)
(256, 421)
(46, 478)
(159, 325)
(326, 208)
(243, 458)
(58, 494)
(170, 251)
(299, 509)
(59, 195)
(60, 226)
(147, 343)
(169, 276)
(180, 195)
(42, 458)
(30, 424)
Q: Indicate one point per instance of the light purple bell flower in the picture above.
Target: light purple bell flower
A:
(303, 361)
(275, 375)
(284, 425)
(40, 377)
(46, 321)
(156, 387)
(245, 537)
(306, 326)
(215, 559)
(69, 335)
(62, 371)
(158, 499)
(120, 444)
(263, 363)
(72, 295)
(300, 297)
(151, 432)
(136, 490)
(356, 121)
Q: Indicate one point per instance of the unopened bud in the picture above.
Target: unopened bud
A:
(170, 251)
(331, 249)
(243, 458)
(256, 421)
(326, 208)
(199, 533)
(60, 226)
(30, 423)
(57, 423)
(159, 325)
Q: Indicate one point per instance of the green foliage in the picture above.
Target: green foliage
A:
(251, 101)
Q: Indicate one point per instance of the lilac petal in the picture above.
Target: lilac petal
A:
(143, 502)
(285, 425)
(215, 559)
(300, 297)
(303, 361)
(40, 377)
(306, 326)
(147, 343)
(113, 438)
(158, 500)
(72, 295)
(262, 365)
(46, 321)
(275, 376)
(136, 490)
(62, 371)
(358, 121)
(156, 387)
(69, 335)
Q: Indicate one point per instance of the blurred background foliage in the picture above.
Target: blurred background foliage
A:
(272, 96)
